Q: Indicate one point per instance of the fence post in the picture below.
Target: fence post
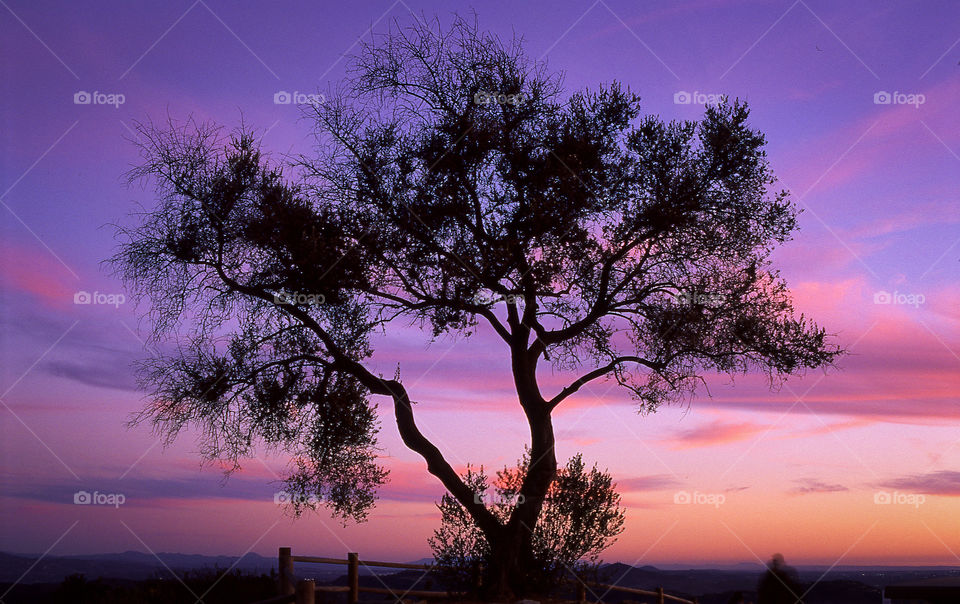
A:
(660, 597)
(306, 591)
(581, 591)
(476, 570)
(353, 578)
(286, 572)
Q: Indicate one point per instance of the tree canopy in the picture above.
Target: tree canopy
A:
(454, 184)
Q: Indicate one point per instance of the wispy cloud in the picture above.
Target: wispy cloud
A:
(652, 482)
(118, 376)
(807, 486)
(822, 429)
(942, 482)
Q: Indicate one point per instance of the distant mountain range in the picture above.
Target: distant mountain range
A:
(125, 565)
(141, 565)
(847, 584)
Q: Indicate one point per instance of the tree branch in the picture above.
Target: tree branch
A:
(600, 372)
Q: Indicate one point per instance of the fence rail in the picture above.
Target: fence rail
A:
(659, 593)
(304, 591)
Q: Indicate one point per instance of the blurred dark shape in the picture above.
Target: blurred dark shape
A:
(780, 584)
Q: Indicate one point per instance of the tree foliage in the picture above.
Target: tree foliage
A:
(227, 232)
(581, 517)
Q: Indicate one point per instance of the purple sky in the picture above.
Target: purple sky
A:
(799, 469)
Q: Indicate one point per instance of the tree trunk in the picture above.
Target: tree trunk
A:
(512, 571)
(510, 566)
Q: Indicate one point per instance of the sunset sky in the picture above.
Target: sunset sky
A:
(858, 101)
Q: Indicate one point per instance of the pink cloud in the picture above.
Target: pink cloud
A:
(714, 434)
(36, 272)
(879, 138)
(943, 302)
(823, 299)
(922, 214)
(653, 482)
(410, 481)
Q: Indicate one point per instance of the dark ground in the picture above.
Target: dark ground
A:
(252, 579)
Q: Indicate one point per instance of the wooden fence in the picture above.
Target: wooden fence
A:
(304, 591)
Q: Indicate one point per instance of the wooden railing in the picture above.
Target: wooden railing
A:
(303, 591)
(659, 593)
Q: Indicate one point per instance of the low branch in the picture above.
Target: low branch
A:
(598, 373)
(403, 410)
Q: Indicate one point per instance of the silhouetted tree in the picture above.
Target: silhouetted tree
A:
(453, 184)
(581, 517)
